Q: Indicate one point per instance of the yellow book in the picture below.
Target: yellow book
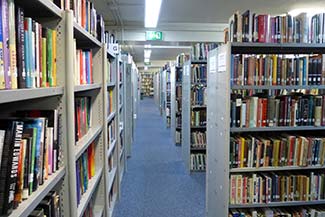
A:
(54, 36)
(307, 189)
(12, 45)
(242, 152)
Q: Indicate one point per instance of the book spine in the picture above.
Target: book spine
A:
(20, 44)
(6, 52)
(54, 58)
(2, 72)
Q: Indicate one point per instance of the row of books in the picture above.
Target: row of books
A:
(295, 109)
(264, 28)
(199, 95)
(181, 59)
(110, 106)
(85, 170)
(178, 121)
(109, 72)
(198, 162)
(179, 74)
(268, 188)
(287, 212)
(179, 91)
(284, 150)
(86, 16)
(198, 118)
(111, 132)
(198, 139)
(83, 67)
(29, 154)
(277, 70)
(48, 207)
(178, 106)
(200, 50)
(82, 116)
(28, 50)
(199, 73)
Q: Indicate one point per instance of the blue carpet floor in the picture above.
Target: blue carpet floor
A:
(156, 183)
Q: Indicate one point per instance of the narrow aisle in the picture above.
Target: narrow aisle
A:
(156, 183)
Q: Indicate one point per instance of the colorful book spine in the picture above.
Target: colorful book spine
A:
(5, 35)
(2, 72)
(20, 45)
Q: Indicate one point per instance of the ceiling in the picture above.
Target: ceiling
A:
(122, 15)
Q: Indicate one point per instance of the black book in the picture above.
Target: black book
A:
(38, 212)
(20, 40)
(9, 164)
(46, 205)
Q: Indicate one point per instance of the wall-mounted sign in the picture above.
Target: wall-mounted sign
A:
(154, 36)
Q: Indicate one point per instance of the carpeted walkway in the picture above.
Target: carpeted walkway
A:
(156, 183)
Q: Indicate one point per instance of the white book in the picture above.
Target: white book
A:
(2, 138)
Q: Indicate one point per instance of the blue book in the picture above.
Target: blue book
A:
(39, 124)
(78, 182)
(85, 171)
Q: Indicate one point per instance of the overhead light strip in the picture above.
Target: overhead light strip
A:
(152, 11)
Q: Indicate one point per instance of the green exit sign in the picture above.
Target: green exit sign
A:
(154, 36)
(147, 63)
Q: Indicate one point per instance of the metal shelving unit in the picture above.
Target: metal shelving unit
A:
(218, 132)
(187, 108)
(44, 99)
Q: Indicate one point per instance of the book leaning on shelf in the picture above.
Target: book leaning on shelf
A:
(27, 50)
(85, 170)
(265, 28)
(30, 153)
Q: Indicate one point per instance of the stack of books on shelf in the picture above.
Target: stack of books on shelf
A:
(278, 69)
(48, 207)
(198, 118)
(85, 171)
(199, 74)
(198, 139)
(312, 212)
(29, 155)
(28, 50)
(265, 28)
(181, 59)
(83, 116)
(110, 102)
(200, 51)
(198, 162)
(83, 67)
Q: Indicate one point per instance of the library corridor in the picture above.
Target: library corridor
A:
(156, 183)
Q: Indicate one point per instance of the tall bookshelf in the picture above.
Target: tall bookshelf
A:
(110, 128)
(193, 116)
(122, 121)
(147, 84)
(168, 95)
(176, 76)
(222, 169)
(46, 98)
(95, 134)
(156, 85)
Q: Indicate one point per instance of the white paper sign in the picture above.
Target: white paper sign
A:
(115, 48)
(213, 64)
(222, 62)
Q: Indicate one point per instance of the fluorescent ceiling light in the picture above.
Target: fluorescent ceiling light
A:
(146, 68)
(309, 11)
(147, 54)
(146, 60)
(147, 46)
(152, 12)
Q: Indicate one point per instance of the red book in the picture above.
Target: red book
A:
(262, 28)
(260, 71)
(264, 112)
(259, 113)
(89, 154)
(91, 67)
(83, 13)
(244, 190)
(81, 66)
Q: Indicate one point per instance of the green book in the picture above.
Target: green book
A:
(49, 39)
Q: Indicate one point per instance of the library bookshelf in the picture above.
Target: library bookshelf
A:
(226, 127)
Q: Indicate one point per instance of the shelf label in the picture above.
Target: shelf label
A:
(115, 48)
(213, 64)
(221, 62)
